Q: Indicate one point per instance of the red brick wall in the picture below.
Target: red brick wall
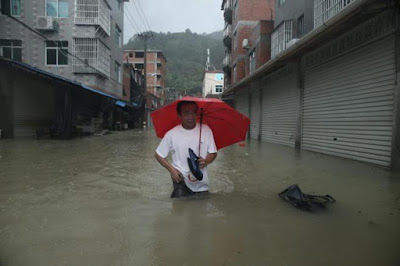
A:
(126, 83)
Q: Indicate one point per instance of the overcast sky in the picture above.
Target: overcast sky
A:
(172, 15)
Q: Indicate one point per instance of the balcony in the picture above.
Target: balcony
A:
(228, 11)
(228, 36)
(94, 57)
(326, 9)
(281, 37)
(93, 12)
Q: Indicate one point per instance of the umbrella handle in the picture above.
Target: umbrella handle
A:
(201, 123)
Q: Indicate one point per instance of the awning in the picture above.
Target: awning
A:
(51, 75)
(123, 104)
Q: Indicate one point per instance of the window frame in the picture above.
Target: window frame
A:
(12, 47)
(300, 22)
(10, 10)
(58, 8)
(219, 88)
(118, 34)
(59, 43)
(252, 61)
(117, 70)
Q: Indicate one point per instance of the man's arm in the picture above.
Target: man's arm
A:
(176, 176)
(209, 159)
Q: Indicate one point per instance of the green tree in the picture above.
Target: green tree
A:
(186, 54)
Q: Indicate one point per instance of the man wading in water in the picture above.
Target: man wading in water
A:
(177, 141)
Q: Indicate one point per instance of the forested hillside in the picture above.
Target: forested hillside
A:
(186, 54)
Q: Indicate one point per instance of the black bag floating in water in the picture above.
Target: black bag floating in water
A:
(297, 198)
(194, 165)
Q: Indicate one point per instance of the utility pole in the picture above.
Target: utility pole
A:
(145, 36)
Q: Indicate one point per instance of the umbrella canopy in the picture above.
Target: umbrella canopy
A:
(228, 125)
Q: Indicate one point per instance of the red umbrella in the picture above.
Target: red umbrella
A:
(228, 125)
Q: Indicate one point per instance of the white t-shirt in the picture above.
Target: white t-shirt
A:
(177, 141)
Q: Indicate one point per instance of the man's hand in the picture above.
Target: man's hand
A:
(202, 162)
(176, 176)
(209, 159)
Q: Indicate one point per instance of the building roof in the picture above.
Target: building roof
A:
(214, 71)
(47, 74)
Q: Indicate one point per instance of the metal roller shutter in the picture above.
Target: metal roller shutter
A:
(279, 107)
(242, 103)
(255, 114)
(348, 104)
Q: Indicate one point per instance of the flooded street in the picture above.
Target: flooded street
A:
(105, 201)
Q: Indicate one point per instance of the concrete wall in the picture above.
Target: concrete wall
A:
(33, 46)
(294, 9)
(210, 81)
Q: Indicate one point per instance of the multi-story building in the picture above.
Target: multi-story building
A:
(334, 90)
(293, 19)
(213, 83)
(80, 40)
(155, 70)
(241, 19)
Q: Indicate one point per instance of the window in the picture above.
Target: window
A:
(57, 8)
(94, 57)
(55, 55)
(11, 7)
(218, 88)
(235, 10)
(118, 71)
(281, 2)
(235, 40)
(11, 49)
(118, 36)
(252, 59)
(139, 54)
(130, 54)
(139, 66)
(300, 26)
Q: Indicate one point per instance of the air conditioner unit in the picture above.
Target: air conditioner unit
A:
(291, 42)
(45, 23)
(245, 44)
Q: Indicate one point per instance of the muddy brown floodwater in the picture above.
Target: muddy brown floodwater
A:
(105, 201)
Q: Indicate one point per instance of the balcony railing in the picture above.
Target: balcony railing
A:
(280, 37)
(228, 11)
(94, 56)
(228, 31)
(93, 12)
(326, 9)
(226, 62)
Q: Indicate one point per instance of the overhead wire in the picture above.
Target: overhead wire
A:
(140, 16)
(131, 19)
(147, 22)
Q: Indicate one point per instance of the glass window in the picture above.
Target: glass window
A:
(117, 36)
(16, 7)
(218, 88)
(11, 49)
(11, 7)
(252, 59)
(57, 53)
(118, 71)
(300, 26)
(139, 54)
(57, 8)
(235, 40)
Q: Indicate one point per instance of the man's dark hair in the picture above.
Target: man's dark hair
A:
(180, 104)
